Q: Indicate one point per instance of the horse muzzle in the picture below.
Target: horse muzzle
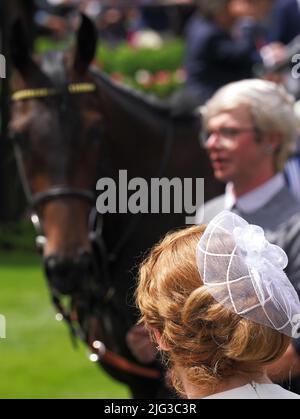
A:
(66, 275)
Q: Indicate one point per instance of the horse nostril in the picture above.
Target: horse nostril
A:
(84, 261)
(61, 274)
(66, 275)
(57, 266)
(51, 264)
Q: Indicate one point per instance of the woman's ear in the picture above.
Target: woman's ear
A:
(160, 341)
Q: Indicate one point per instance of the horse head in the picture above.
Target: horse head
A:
(56, 126)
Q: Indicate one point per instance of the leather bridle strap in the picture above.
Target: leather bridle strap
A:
(121, 363)
(104, 355)
(54, 193)
(60, 192)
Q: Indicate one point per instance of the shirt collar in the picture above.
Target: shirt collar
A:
(256, 199)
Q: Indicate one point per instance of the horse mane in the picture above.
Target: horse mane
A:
(133, 100)
(135, 97)
(53, 67)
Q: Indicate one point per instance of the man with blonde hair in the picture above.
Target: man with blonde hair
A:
(249, 131)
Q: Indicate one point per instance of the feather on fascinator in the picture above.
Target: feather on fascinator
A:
(245, 273)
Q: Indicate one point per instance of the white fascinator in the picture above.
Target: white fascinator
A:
(245, 273)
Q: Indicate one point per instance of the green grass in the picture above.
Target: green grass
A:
(17, 235)
(37, 359)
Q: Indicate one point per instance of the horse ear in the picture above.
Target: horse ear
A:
(86, 44)
(20, 47)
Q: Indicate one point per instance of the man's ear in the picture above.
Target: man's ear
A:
(273, 143)
(276, 141)
(159, 339)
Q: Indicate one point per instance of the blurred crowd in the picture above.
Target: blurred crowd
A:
(230, 40)
(227, 40)
(116, 20)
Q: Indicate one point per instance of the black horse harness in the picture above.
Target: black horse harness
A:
(95, 228)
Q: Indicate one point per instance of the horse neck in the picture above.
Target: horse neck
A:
(136, 129)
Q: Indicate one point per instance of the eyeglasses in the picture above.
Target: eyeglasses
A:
(225, 134)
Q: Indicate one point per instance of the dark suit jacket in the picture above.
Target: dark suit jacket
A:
(286, 21)
(214, 58)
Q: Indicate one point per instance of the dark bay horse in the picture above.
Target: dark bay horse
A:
(71, 126)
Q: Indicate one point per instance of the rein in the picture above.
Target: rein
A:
(96, 230)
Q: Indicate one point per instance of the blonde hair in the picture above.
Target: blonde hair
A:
(270, 106)
(208, 341)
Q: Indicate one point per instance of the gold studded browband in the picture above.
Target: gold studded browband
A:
(73, 88)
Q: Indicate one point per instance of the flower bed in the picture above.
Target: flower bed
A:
(156, 70)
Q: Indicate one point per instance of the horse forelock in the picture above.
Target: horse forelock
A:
(53, 66)
(134, 98)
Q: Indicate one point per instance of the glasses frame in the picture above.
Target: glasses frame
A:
(227, 133)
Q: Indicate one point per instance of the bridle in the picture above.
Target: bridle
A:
(55, 192)
(96, 230)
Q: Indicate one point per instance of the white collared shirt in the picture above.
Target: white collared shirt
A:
(256, 199)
